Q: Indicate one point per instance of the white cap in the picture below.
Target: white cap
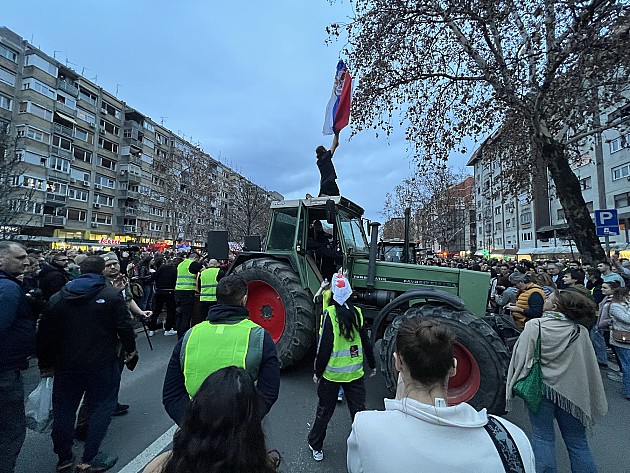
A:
(340, 288)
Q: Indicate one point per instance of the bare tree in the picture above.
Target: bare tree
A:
(248, 211)
(547, 71)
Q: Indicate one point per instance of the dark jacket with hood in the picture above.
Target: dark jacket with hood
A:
(51, 279)
(17, 326)
(174, 395)
(82, 326)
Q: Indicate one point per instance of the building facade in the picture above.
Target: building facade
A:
(95, 171)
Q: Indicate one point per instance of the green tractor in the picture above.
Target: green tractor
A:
(283, 279)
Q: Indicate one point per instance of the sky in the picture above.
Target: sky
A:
(248, 80)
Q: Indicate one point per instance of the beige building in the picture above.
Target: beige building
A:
(93, 170)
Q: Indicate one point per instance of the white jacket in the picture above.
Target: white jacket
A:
(409, 437)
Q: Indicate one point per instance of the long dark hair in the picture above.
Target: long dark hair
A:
(576, 307)
(348, 318)
(221, 431)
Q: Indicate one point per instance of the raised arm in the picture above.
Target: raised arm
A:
(335, 143)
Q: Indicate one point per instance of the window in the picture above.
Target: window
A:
(58, 188)
(497, 210)
(24, 206)
(36, 183)
(148, 126)
(87, 96)
(527, 236)
(499, 242)
(77, 215)
(621, 172)
(497, 226)
(67, 101)
(59, 164)
(106, 200)
(84, 135)
(6, 102)
(622, 200)
(155, 227)
(38, 110)
(78, 194)
(508, 223)
(585, 183)
(157, 212)
(148, 142)
(34, 84)
(7, 77)
(106, 163)
(108, 145)
(526, 218)
(40, 63)
(110, 127)
(8, 53)
(105, 181)
(161, 139)
(147, 158)
(86, 116)
(80, 175)
(30, 157)
(33, 133)
(61, 142)
(615, 145)
(104, 219)
(82, 155)
(109, 109)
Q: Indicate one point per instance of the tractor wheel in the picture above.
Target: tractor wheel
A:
(482, 358)
(277, 302)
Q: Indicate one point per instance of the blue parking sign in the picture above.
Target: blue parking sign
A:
(606, 222)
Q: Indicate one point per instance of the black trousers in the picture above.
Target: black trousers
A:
(163, 297)
(12, 419)
(327, 393)
(185, 303)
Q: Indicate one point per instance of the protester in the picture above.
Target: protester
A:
(573, 392)
(144, 277)
(418, 431)
(53, 276)
(185, 292)
(165, 279)
(78, 341)
(226, 338)
(17, 343)
(207, 282)
(607, 273)
(328, 176)
(530, 298)
(620, 316)
(221, 431)
(339, 361)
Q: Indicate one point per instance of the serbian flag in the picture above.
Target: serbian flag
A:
(338, 109)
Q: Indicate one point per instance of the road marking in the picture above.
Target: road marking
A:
(149, 453)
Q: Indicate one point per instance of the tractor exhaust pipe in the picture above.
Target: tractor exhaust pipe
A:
(371, 275)
(406, 257)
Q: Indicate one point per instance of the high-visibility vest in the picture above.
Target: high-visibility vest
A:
(208, 347)
(346, 360)
(185, 279)
(208, 290)
(326, 303)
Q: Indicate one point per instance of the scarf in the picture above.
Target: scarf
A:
(571, 377)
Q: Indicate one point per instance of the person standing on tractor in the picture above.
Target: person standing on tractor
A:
(328, 176)
(185, 292)
(339, 361)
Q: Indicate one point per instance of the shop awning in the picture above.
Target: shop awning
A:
(551, 228)
(65, 117)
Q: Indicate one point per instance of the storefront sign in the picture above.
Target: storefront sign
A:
(109, 241)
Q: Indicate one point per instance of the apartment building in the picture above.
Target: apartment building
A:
(532, 224)
(94, 170)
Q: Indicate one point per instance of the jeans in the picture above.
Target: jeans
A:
(599, 345)
(327, 392)
(185, 302)
(100, 387)
(623, 354)
(162, 298)
(12, 419)
(573, 433)
(147, 296)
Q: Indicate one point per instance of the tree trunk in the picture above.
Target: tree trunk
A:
(568, 190)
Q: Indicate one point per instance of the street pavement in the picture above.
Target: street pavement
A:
(146, 430)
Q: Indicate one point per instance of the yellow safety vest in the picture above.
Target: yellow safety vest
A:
(521, 301)
(346, 360)
(208, 347)
(185, 279)
(208, 290)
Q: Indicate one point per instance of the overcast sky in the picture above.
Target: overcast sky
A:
(247, 79)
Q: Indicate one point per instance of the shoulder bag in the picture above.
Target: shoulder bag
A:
(529, 388)
(621, 336)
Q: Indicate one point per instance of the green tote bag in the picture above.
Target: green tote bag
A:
(530, 387)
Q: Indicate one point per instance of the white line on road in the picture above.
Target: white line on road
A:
(138, 463)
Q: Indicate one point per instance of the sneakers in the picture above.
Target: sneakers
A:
(318, 455)
(65, 465)
(170, 332)
(614, 376)
(101, 462)
(151, 333)
(120, 409)
(340, 395)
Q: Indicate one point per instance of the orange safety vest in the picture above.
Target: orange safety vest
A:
(521, 301)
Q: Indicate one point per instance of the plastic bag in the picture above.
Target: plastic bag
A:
(39, 407)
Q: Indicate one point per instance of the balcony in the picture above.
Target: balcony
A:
(130, 158)
(68, 87)
(59, 175)
(62, 153)
(63, 108)
(127, 194)
(129, 228)
(130, 211)
(56, 199)
(63, 130)
(54, 220)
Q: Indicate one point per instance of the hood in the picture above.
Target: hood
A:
(460, 415)
(226, 313)
(84, 287)
(51, 268)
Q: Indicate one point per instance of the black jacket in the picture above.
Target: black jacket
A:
(17, 326)
(166, 277)
(174, 395)
(51, 279)
(82, 326)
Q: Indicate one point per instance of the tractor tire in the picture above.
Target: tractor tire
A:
(482, 358)
(278, 303)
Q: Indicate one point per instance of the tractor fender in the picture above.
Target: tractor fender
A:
(244, 256)
(431, 294)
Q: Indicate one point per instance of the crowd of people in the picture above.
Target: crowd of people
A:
(76, 312)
